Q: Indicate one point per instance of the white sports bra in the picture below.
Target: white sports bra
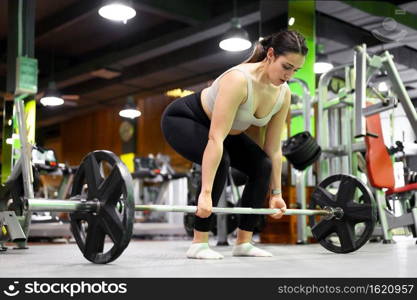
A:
(244, 116)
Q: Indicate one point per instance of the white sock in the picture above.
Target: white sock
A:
(247, 249)
(202, 251)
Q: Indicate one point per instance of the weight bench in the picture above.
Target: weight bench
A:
(381, 176)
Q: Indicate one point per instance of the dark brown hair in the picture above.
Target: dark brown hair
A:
(283, 42)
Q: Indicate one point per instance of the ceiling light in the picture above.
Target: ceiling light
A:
(52, 96)
(52, 101)
(322, 64)
(130, 113)
(178, 93)
(291, 21)
(236, 38)
(130, 110)
(117, 10)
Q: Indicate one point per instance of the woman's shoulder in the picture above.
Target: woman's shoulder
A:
(234, 83)
(234, 75)
(244, 67)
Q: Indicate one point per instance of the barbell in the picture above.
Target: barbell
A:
(54, 205)
(102, 205)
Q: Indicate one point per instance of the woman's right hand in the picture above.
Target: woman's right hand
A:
(204, 205)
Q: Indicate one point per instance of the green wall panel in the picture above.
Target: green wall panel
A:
(304, 13)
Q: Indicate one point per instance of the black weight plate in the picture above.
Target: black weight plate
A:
(305, 159)
(297, 143)
(309, 162)
(303, 154)
(13, 191)
(355, 227)
(102, 177)
(308, 153)
(301, 150)
(303, 165)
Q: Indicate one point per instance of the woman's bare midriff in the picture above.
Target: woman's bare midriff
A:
(208, 112)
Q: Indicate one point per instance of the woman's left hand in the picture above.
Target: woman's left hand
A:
(276, 201)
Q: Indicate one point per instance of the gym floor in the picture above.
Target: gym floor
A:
(166, 258)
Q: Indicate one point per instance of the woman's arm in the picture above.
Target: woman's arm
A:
(232, 92)
(272, 145)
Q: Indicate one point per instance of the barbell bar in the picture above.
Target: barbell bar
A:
(235, 210)
(55, 205)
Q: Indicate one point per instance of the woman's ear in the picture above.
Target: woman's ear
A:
(270, 54)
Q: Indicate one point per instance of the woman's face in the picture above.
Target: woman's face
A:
(282, 68)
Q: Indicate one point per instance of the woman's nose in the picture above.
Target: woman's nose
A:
(289, 75)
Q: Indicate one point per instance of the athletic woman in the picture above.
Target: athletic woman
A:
(208, 128)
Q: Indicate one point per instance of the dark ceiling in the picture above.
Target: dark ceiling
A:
(168, 44)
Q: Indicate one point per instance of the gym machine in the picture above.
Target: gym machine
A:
(343, 133)
(302, 170)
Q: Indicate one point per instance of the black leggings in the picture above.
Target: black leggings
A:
(186, 126)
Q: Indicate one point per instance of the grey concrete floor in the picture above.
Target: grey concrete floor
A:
(166, 258)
